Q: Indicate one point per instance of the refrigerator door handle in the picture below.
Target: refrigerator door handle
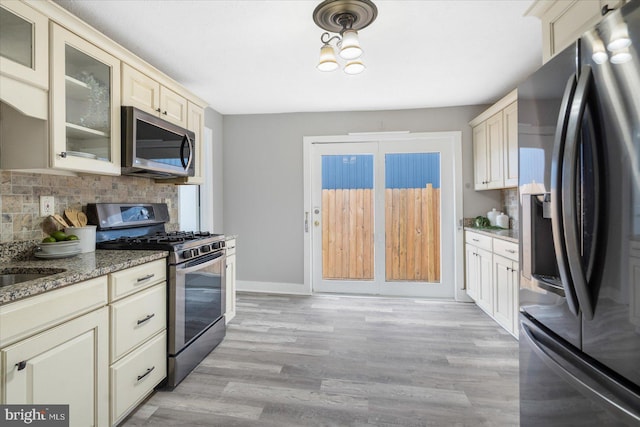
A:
(588, 379)
(569, 192)
(557, 195)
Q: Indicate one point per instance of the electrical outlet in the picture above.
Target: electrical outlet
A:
(46, 205)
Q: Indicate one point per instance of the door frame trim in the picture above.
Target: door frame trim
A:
(458, 244)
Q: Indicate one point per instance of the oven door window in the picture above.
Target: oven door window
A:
(202, 294)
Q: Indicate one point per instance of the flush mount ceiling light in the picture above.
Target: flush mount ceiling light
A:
(344, 17)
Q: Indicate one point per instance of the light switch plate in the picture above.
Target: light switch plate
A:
(46, 205)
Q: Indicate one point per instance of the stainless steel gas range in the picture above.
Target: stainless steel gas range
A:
(195, 276)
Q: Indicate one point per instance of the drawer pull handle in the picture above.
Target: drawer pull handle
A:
(21, 365)
(141, 321)
(475, 240)
(147, 277)
(146, 373)
(511, 251)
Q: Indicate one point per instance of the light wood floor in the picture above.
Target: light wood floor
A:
(348, 361)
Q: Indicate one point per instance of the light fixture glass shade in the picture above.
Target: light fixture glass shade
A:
(600, 57)
(328, 60)
(350, 45)
(619, 43)
(621, 56)
(354, 67)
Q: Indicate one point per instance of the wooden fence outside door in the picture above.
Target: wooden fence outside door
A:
(412, 234)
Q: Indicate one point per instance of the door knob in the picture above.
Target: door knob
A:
(316, 223)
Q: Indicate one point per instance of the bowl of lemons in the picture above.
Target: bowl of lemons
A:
(58, 245)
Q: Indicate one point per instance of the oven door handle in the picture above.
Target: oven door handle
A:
(201, 262)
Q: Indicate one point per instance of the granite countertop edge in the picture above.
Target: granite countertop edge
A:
(507, 234)
(76, 269)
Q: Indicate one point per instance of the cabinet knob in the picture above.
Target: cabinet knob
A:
(164, 112)
(158, 110)
(63, 154)
(21, 365)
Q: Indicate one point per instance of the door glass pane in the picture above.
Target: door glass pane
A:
(88, 97)
(347, 217)
(16, 38)
(412, 217)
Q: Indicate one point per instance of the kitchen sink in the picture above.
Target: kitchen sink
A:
(8, 278)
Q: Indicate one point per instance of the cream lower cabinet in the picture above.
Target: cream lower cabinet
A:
(492, 277)
(138, 357)
(505, 273)
(230, 278)
(60, 356)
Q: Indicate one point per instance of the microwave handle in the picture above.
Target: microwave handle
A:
(187, 140)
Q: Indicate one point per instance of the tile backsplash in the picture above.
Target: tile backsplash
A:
(511, 207)
(20, 199)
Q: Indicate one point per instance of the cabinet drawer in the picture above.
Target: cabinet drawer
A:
(26, 317)
(135, 376)
(136, 318)
(231, 246)
(134, 279)
(478, 240)
(505, 249)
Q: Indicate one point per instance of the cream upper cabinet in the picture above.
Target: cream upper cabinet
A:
(140, 91)
(173, 107)
(480, 159)
(510, 149)
(145, 93)
(495, 145)
(563, 21)
(24, 43)
(24, 59)
(85, 100)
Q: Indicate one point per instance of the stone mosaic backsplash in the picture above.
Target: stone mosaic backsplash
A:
(20, 199)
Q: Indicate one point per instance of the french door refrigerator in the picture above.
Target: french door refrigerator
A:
(579, 154)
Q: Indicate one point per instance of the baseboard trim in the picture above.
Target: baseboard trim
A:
(272, 287)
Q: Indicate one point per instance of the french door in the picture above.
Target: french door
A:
(382, 217)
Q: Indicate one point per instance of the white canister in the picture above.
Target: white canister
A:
(502, 220)
(493, 215)
(86, 237)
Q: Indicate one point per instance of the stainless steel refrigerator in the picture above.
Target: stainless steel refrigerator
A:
(579, 159)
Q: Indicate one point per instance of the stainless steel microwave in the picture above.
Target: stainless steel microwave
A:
(154, 148)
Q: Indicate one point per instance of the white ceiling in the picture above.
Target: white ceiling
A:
(259, 56)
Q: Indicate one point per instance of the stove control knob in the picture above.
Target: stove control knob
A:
(205, 248)
(189, 253)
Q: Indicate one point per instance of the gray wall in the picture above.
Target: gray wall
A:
(263, 173)
(214, 121)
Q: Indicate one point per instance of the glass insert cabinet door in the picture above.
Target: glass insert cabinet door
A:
(24, 53)
(85, 100)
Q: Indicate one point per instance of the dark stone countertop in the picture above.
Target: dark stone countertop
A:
(509, 235)
(75, 269)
